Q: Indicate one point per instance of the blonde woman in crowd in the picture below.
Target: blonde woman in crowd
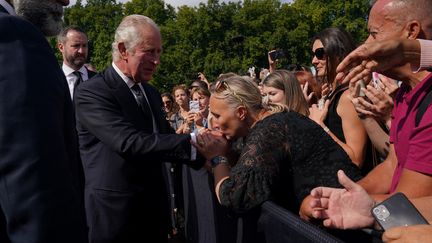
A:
(280, 153)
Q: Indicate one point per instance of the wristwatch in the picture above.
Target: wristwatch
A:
(215, 161)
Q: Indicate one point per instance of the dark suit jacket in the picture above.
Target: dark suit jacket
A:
(122, 160)
(90, 74)
(39, 194)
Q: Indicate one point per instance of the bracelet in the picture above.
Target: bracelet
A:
(326, 129)
(215, 161)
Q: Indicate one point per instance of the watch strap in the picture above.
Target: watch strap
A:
(217, 160)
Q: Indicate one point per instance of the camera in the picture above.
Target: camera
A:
(381, 212)
(276, 54)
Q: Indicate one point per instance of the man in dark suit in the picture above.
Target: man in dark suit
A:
(124, 139)
(39, 195)
(72, 42)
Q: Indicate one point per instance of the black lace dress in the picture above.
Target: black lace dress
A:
(284, 156)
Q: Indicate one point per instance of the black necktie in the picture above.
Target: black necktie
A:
(79, 78)
(141, 100)
(144, 104)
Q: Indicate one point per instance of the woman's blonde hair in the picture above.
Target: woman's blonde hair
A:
(286, 81)
(237, 91)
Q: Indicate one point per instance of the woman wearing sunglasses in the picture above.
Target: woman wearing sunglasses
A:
(338, 117)
(282, 154)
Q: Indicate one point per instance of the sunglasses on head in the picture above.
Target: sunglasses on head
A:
(223, 85)
(319, 53)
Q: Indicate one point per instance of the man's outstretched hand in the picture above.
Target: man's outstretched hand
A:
(347, 208)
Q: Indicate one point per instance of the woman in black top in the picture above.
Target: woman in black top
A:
(283, 154)
(338, 117)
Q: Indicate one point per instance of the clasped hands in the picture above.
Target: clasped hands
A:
(211, 143)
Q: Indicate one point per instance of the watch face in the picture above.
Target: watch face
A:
(218, 160)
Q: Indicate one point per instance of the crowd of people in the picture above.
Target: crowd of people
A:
(92, 156)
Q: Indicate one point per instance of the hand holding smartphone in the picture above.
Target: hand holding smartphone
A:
(396, 211)
(194, 106)
(376, 81)
(359, 86)
(276, 54)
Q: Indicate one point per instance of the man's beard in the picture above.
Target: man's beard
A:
(46, 15)
(77, 63)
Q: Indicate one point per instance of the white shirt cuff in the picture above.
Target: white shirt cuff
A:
(193, 149)
(426, 54)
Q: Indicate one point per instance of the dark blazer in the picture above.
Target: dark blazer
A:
(90, 74)
(39, 194)
(122, 160)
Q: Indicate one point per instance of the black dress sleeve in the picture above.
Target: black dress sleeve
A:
(253, 176)
(283, 158)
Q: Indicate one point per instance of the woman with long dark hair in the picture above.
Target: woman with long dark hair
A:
(338, 116)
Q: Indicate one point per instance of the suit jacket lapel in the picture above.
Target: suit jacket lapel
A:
(127, 101)
(155, 101)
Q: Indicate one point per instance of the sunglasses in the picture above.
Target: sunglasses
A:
(223, 86)
(319, 53)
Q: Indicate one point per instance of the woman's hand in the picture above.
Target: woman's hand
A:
(198, 118)
(378, 104)
(203, 78)
(190, 118)
(389, 85)
(325, 90)
(307, 96)
(211, 144)
(318, 115)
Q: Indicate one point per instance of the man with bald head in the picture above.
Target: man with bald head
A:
(408, 167)
(40, 195)
(410, 155)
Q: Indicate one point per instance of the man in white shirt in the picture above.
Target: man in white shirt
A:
(73, 44)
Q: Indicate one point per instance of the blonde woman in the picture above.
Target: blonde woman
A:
(284, 154)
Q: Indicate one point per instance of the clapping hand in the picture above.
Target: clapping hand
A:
(378, 104)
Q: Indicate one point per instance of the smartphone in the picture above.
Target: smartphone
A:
(376, 80)
(321, 104)
(277, 54)
(194, 106)
(359, 91)
(396, 211)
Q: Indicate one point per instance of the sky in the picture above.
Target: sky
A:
(176, 3)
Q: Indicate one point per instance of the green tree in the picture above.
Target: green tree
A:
(217, 37)
(155, 9)
(99, 18)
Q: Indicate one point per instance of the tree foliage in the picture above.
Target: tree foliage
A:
(219, 37)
